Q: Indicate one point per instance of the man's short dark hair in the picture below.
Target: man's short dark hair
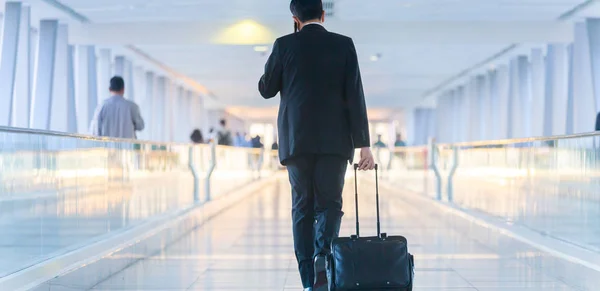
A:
(117, 84)
(223, 122)
(307, 9)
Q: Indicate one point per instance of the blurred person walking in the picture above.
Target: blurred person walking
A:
(117, 117)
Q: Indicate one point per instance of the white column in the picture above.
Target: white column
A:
(8, 59)
(584, 109)
(569, 127)
(159, 109)
(22, 93)
(58, 118)
(178, 115)
(104, 74)
(473, 109)
(538, 92)
(504, 116)
(483, 107)
(523, 127)
(34, 35)
(494, 105)
(462, 132)
(129, 81)
(119, 69)
(170, 102)
(146, 102)
(86, 88)
(593, 32)
(71, 102)
(557, 66)
(44, 75)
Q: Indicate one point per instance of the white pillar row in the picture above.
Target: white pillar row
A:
(569, 128)
(104, 74)
(593, 32)
(557, 66)
(584, 109)
(86, 87)
(538, 92)
(44, 75)
(159, 120)
(22, 92)
(71, 101)
(8, 59)
(58, 118)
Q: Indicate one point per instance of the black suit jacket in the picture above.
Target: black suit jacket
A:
(322, 108)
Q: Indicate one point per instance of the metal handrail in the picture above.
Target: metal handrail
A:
(20, 130)
(519, 140)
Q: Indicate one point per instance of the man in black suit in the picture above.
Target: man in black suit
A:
(322, 120)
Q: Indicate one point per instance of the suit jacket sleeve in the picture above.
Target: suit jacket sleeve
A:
(598, 122)
(270, 83)
(355, 99)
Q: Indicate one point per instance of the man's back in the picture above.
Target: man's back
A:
(117, 117)
(322, 108)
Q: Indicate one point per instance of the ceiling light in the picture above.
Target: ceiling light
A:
(261, 48)
(245, 32)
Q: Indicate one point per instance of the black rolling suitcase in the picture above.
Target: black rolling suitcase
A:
(370, 263)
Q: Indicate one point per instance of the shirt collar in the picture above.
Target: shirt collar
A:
(316, 22)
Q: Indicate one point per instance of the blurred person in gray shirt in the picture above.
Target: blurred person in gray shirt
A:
(116, 116)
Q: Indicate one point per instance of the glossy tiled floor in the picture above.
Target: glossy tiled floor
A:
(249, 247)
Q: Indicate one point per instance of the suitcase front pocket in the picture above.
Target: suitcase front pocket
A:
(371, 263)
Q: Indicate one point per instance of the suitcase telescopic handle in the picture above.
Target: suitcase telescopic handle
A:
(376, 200)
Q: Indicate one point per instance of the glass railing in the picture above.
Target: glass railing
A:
(60, 192)
(548, 185)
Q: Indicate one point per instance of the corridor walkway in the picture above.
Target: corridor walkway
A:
(249, 247)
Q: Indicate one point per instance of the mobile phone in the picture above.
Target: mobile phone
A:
(295, 27)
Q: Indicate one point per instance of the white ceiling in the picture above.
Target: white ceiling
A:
(404, 73)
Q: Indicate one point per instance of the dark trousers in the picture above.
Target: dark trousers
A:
(317, 183)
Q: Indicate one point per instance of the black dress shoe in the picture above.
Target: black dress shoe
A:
(321, 283)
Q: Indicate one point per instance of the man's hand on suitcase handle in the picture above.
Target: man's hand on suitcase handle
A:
(367, 162)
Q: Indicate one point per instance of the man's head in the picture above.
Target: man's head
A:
(398, 136)
(305, 11)
(379, 136)
(223, 122)
(117, 86)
